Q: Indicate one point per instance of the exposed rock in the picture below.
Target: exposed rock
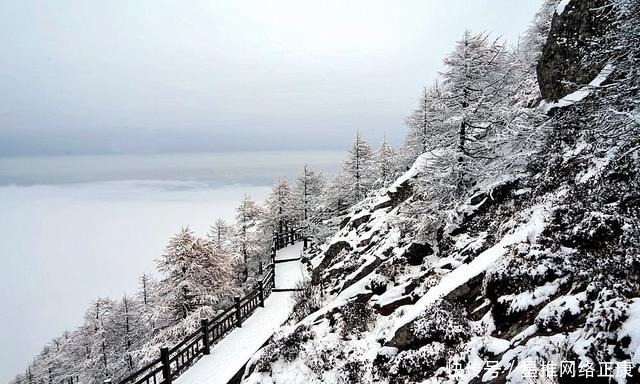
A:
(336, 248)
(382, 205)
(367, 269)
(401, 193)
(403, 339)
(389, 308)
(467, 291)
(574, 34)
(333, 250)
(355, 223)
(416, 253)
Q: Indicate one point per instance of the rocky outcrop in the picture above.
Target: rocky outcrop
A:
(576, 34)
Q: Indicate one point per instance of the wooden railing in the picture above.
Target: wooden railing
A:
(174, 361)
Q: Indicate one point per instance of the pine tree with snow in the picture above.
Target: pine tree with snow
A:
(475, 80)
(279, 208)
(426, 125)
(101, 357)
(197, 274)
(197, 277)
(359, 169)
(337, 195)
(179, 290)
(72, 354)
(147, 300)
(250, 242)
(220, 234)
(306, 198)
(386, 164)
(129, 332)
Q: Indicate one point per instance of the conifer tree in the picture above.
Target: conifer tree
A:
(197, 275)
(359, 169)
(475, 80)
(249, 241)
(220, 234)
(307, 198)
(337, 194)
(386, 163)
(279, 207)
(100, 360)
(426, 125)
(128, 330)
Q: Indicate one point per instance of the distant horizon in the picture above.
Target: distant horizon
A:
(177, 152)
(214, 168)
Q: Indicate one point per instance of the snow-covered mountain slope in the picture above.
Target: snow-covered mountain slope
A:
(532, 276)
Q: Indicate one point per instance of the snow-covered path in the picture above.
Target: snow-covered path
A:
(288, 273)
(232, 352)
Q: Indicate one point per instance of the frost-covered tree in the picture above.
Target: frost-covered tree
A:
(250, 241)
(487, 98)
(475, 79)
(426, 125)
(179, 288)
(147, 299)
(359, 170)
(306, 198)
(129, 331)
(145, 292)
(101, 356)
(386, 164)
(337, 194)
(63, 361)
(279, 209)
(220, 233)
(307, 192)
(197, 274)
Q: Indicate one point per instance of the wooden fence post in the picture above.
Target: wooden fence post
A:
(166, 367)
(238, 315)
(205, 336)
(304, 246)
(260, 267)
(261, 293)
(273, 277)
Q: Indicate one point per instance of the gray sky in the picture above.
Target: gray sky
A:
(107, 76)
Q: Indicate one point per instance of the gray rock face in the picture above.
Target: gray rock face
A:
(574, 36)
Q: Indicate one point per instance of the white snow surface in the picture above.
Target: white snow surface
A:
(423, 161)
(234, 351)
(631, 328)
(561, 6)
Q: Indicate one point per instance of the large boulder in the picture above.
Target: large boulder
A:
(576, 33)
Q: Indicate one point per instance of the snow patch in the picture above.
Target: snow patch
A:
(561, 6)
(555, 310)
(631, 328)
(524, 300)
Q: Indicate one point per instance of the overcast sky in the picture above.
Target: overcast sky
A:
(115, 76)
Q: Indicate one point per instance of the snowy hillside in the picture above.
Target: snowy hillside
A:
(532, 274)
(499, 243)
